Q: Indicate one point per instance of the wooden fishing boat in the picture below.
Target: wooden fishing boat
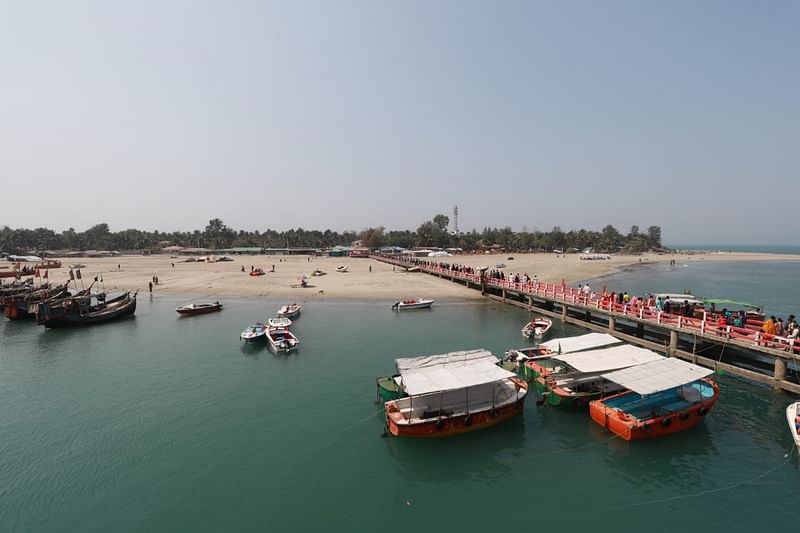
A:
(76, 311)
(577, 378)
(253, 333)
(793, 419)
(280, 322)
(341, 268)
(24, 305)
(391, 387)
(448, 401)
(199, 308)
(663, 397)
(564, 345)
(537, 328)
(281, 339)
(289, 311)
(417, 303)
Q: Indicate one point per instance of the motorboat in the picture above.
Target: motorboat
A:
(289, 311)
(318, 272)
(341, 268)
(199, 308)
(280, 322)
(448, 400)
(793, 418)
(417, 303)
(662, 397)
(257, 272)
(281, 339)
(537, 328)
(254, 332)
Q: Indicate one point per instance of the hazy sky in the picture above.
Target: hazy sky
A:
(344, 115)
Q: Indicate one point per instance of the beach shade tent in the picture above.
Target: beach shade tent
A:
(657, 376)
(590, 341)
(613, 358)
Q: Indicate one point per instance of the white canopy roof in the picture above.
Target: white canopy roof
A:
(580, 343)
(658, 376)
(442, 378)
(606, 359)
(464, 357)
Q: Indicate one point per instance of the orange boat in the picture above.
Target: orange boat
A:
(663, 397)
(257, 272)
(459, 397)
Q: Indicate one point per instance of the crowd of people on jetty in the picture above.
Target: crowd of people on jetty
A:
(787, 333)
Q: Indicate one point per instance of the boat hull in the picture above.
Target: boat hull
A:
(423, 304)
(73, 321)
(629, 427)
(449, 426)
(792, 410)
(201, 311)
(388, 389)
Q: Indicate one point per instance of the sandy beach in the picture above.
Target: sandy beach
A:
(364, 279)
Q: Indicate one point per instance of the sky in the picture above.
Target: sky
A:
(345, 115)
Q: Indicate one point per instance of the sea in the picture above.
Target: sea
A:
(167, 423)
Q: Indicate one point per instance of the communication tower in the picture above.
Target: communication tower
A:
(455, 219)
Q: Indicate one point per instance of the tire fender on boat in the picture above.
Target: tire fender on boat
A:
(468, 420)
(702, 411)
(439, 425)
(684, 415)
(666, 422)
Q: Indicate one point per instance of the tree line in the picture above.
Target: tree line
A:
(432, 233)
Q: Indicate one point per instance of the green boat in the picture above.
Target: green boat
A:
(389, 388)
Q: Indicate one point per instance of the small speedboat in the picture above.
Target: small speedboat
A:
(417, 303)
(254, 332)
(341, 268)
(318, 272)
(257, 272)
(281, 322)
(537, 328)
(793, 418)
(281, 339)
(289, 311)
(199, 309)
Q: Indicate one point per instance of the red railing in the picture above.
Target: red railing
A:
(707, 325)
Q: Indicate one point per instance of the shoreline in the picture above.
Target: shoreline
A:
(366, 279)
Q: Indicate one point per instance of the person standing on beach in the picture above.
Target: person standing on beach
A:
(150, 286)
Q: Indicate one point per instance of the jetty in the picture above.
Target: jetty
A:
(699, 340)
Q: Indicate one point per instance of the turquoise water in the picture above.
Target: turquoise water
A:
(162, 423)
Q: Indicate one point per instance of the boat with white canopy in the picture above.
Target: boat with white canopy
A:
(662, 397)
(452, 398)
(391, 387)
(576, 378)
(564, 345)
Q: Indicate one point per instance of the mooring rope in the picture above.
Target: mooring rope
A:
(711, 491)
